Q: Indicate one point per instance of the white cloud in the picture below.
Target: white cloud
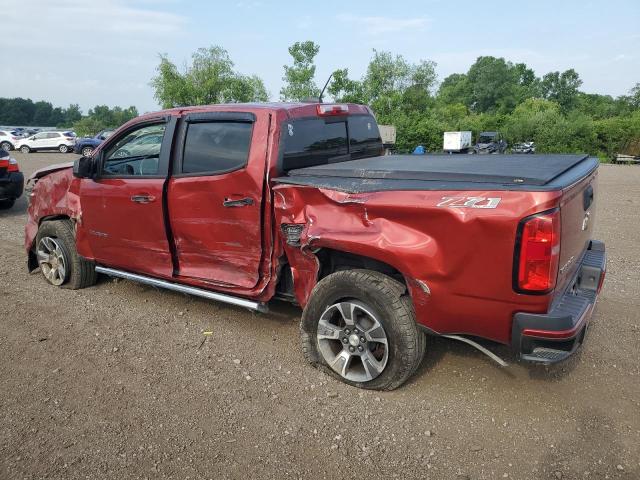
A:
(377, 25)
(86, 51)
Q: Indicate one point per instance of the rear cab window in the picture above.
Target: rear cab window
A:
(315, 141)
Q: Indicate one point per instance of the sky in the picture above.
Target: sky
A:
(105, 52)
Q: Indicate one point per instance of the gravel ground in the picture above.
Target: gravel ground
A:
(118, 381)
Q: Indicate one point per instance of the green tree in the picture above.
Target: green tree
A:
(299, 77)
(42, 113)
(72, 114)
(208, 80)
(561, 87)
(493, 83)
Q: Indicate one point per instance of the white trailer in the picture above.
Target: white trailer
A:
(456, 141)
(388, 136)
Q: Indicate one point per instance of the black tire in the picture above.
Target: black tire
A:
(6, 204)
(63, 148)
(6, 146)
(389, 301)
(80, 273)
(25, 149)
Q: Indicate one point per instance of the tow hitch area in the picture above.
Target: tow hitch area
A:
(554, 336)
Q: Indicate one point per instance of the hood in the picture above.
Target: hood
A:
(50, 169)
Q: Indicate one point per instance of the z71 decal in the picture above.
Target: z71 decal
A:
(469, 202)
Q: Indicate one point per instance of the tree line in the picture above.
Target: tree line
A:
(493, 94)
(25, 112)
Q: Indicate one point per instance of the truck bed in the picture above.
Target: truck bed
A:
(447, 172)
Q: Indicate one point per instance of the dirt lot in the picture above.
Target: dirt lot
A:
(115, 382)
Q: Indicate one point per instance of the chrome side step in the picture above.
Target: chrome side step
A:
(198, 292)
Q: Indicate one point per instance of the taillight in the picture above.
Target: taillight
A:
(538, 253)
(13, 165)
(325, 109)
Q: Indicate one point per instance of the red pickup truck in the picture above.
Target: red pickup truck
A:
(248, 203)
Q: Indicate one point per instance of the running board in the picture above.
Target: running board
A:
(198, 292)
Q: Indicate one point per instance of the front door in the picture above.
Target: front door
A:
(122, 212)
(40, 141)
(215, 197)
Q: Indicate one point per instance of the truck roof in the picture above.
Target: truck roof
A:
(291, 109)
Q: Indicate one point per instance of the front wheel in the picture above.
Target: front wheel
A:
(25, 149)
(63, 149)
(360, 326)
(58, 258)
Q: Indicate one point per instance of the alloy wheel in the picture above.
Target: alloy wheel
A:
(352, 341)
(52, 260)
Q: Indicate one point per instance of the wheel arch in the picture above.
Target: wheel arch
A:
(307, 267)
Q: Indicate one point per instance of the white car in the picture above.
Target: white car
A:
(61, 141)
(8, 139)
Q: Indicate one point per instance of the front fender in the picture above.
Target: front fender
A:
(54, 195)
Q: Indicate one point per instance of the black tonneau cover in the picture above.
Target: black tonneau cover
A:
(456, 172)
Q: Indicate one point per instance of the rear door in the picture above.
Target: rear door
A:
(52, 141)
(215, 197)
(122, 211)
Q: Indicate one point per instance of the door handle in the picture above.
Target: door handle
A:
(142, 198)
(237, 203)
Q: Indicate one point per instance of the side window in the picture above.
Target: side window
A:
(40, 136)
(216, 147)
(136, 153)
(53, 135)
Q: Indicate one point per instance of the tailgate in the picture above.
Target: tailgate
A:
(577, 213)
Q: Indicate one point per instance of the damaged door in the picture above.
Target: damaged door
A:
(215, 197)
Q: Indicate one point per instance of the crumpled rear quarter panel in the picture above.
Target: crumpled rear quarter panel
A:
(457, 262)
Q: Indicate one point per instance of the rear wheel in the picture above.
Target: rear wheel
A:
(25, 149)
(6, 146)
(58, 258)
(63, 148)
(87, 151)
(360, 326)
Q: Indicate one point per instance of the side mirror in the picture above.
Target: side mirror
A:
(84, 167)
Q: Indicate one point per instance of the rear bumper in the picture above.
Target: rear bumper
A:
(11, 186)
(552, 337)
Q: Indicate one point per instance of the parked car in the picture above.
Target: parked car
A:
(8, 139)
(86, 145)
(490, 142)
(247, 203)
(61, 141)
(11, 180)
(524, 147)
